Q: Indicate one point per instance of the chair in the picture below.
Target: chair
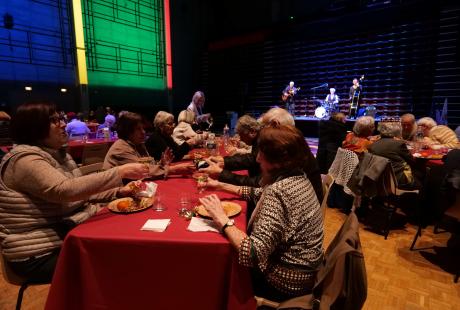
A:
(14, 279)
(373, 178)
(452, 214)
(327, 181)
(94, 153)
(392, 200)
(341, 281)
(92, 168)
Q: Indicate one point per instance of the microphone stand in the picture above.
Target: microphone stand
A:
(314, 94)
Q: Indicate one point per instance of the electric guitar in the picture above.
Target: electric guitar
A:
(286, 95)
(355, 98)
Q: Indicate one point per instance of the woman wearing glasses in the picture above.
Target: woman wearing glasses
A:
(43, 193)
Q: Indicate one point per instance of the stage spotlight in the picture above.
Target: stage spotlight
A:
(63, 90)
(28, 88)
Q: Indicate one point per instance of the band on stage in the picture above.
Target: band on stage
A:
(330, 104)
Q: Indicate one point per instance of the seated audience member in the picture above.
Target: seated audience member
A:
(409, 126)
(284, 242)
(391, 146)
(279, 116)
(5, 129)
(76, 127)
(457, 132)
(44, 195)
(248, 129)
(358, 141)
(130, 147)
(437, 135)
(109, 122)
(331, 134)
(184, 130)
(161, 138)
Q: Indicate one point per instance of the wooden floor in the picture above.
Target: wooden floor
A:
(397, 277)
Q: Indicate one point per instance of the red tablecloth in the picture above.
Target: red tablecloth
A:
(109, 263)
(75, 147)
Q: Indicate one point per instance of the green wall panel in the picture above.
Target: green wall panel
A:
(124, 42)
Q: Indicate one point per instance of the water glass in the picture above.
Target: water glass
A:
(185, 201)
(158, 204)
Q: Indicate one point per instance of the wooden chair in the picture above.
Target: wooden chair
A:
(327, 181)
(14, 279)
(94, 153)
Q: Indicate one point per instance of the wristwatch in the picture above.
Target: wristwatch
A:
(229, 223)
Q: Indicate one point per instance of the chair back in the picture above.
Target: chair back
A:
(94, 153)
(327, 181)
(342, 168)
(341, 282)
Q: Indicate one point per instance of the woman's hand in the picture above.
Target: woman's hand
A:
(213, 168)
(129, 189)
(184, 168)
(192, 141)
(167, 157)
(213, 184)
(133, 171)
(213, 205)
(217, 159)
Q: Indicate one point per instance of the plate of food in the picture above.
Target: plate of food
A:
(130, 205)
(230, 208)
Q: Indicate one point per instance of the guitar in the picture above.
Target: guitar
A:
(286, 95)
(355, 98)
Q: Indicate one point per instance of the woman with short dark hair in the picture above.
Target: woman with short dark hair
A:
(130, 148)
(285, 232)
(43, 194)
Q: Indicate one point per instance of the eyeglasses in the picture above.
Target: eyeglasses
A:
(56, 120)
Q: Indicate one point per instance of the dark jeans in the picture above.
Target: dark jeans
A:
(262, 288)
(36, 270)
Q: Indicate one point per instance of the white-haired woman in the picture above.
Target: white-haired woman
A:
(437, 135)
(358, 141)
(184, 131)
(161, 138)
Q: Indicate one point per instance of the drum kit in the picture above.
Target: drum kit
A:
(324, 109)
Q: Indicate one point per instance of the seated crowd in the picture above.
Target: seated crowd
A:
(44, 195)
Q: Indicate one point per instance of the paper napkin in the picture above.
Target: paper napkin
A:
(199, 224)
(156, 225)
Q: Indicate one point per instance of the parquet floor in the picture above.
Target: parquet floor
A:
(397, 277)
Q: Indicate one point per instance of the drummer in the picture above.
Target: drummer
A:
(331, 103)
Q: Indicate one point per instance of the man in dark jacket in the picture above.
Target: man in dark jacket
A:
(248, 129)
(331, 134)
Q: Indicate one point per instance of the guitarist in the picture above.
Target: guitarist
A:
(355, 92)
(288, 97)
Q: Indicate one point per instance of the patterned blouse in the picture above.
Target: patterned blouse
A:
(285, 234)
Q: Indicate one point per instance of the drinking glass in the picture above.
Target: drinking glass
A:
(158, 203)
(184, 201)
(202, 182)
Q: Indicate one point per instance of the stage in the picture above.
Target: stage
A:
(309, 125)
